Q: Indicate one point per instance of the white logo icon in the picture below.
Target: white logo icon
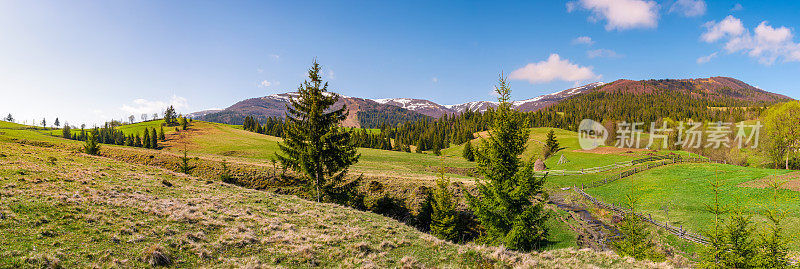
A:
(591, 134)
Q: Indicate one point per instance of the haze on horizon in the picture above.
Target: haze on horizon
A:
(92, 61)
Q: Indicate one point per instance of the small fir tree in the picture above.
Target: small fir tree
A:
(636, 240)
(444, 220)
(91, 146)
(146, 139)
(161, 135)
(169, 116)
(153, 139)
(225, 176)
(425, 212)
(773, 245)
(184, 123)
(66, 132)
(57, 123)
(551, 145)
(468, 154)
(138, 141)
(185, 166)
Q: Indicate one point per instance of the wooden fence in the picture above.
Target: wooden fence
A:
(665, 161)
(677, 231)
(603, 168)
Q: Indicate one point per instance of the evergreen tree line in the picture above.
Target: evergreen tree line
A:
(646, 108)
(108, 134)
(272, 126)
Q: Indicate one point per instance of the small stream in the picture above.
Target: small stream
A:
(598, 231)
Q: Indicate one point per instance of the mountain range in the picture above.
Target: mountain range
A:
(373, 112)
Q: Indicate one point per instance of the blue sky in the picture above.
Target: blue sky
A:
(89, 61)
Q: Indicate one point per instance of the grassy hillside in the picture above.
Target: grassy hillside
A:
(69, 209)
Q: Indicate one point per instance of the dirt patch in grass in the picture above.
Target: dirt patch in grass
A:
(791, 181)
(184, 137)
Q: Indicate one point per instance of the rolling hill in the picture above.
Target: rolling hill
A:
(363, 112)
(711, 88)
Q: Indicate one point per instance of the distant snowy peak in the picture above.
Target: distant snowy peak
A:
(532, 104)
(422, 106)
(543, 101)
(473, 106)
(285, 97)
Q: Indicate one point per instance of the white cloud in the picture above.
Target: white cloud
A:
(765, 43)
(331, 75)
(737, 7)
(689, 8)
(264, 83)
(602, 53)
(141, 106)
(435, 79)
(730, 26)
(620, 14)
(275, 57)
(706, 58)
(583, 40)
(554, 68)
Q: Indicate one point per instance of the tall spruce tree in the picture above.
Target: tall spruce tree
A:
(161, 133)
(57, 123)
(314, 145)
(505, 204)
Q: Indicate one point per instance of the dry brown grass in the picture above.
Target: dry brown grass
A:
(790, 181)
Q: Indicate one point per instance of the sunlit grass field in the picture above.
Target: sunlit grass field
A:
(681, 193)
(62, 209)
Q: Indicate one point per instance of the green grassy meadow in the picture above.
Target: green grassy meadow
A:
(685, 190)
